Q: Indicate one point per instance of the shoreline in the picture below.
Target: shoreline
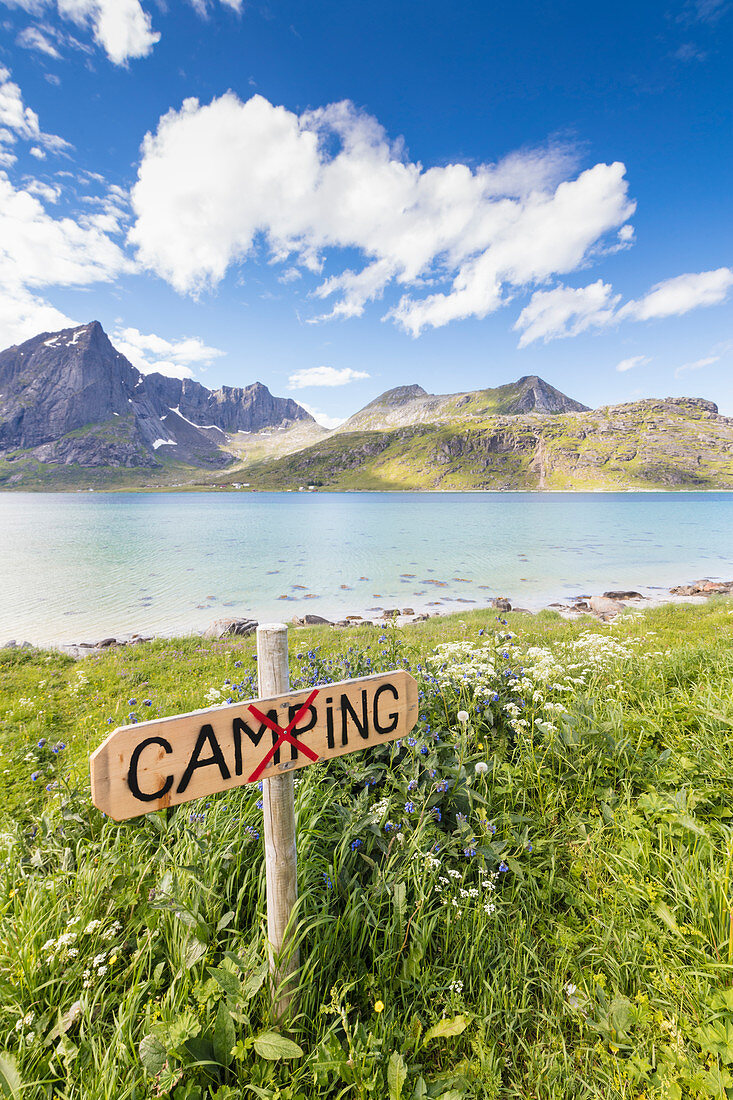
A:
(596, 607)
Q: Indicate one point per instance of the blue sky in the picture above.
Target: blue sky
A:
(337, 199)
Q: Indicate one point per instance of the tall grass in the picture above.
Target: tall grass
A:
(498, 910)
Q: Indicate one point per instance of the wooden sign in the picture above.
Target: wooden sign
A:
(151, 765)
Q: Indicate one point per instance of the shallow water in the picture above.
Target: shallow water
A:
(77, 567)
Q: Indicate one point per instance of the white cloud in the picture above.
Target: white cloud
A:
(202, 6)
(216, 180)
(33, 38)
(676, 296)
(324, 376)
(20, 122)
(38, 250)
(44, 191)
(634, 361)
(121, 27)
(565, 311)
(23, 315)
(697, 365)
(151, 353)
(323, 418)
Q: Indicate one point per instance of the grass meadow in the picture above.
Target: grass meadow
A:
(531, 897)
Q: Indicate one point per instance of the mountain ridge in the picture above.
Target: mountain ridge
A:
(71, 398)
(405, 405)
(74, 412)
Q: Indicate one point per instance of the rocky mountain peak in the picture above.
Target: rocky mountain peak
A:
(536, 395)
(74, 396)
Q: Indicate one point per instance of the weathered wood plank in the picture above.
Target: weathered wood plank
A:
(152, 765)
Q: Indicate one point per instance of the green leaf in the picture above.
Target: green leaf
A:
(152, 1055)
(274, 1046)
(662, 911)
(10, 1081)
(195, 950)
(229, 982)
(183, 1027)
(225, 920)
(254, 981)
(224, 1037)
(396, 1075)
(445, 1028)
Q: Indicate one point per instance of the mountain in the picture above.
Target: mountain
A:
(70, 399)
(412, 405)
(74, 412)
(675, 443)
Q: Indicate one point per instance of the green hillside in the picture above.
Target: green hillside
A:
(669, 444)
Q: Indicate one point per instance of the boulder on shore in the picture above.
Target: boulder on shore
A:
(228, 628)
(501, 603)
(605, 608)
(704, 587)
(623, 596)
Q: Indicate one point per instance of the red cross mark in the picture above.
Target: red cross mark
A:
(285, 735)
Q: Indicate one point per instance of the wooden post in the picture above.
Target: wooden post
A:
(279, 826)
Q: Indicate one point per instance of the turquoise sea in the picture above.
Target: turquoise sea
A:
(76, 567)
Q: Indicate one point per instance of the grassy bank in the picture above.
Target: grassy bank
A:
(533, 902)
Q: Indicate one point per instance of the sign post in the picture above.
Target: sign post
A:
(153, 765)
(278, 807)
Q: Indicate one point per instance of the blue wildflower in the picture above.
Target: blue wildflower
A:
(327, 881)
(412, 741)
(436, 813)
(259, 803)
(424, 750)
(58, 747)
(412, 785)
(356, 844)
(503, 867)
(132, 702)
(147, 702)
(442, 786)
(35, 776)
(409, 807)
(469, 852)
(42, 742)
(460, 817)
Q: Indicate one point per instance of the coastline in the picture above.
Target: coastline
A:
(594, 607)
